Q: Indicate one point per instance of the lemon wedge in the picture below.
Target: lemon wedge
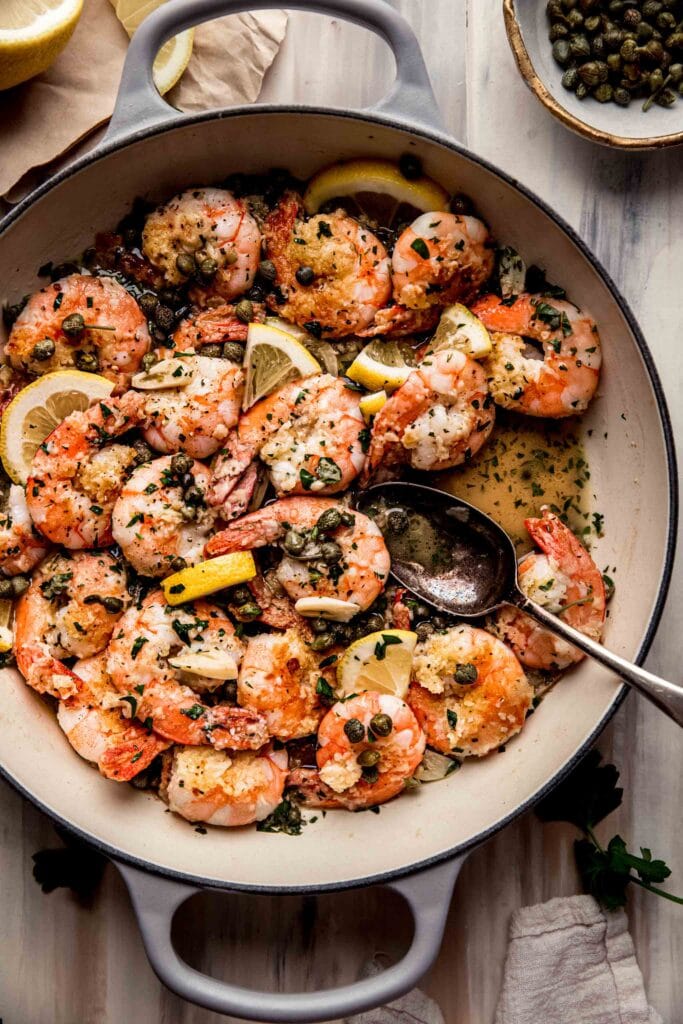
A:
(32, 34)
(381, 365)
(320, 350)
(211, 664)
(370, 405)
(271, 358)
(5, 626)
(381, 661)
(363, 179)
(38, 409)
(327, 608)
(462, 330)
(209, 576)
(174, 55)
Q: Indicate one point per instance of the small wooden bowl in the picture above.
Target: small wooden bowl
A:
(527, 26)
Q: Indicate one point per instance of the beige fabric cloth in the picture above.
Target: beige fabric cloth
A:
(569, 962)
(41, 120)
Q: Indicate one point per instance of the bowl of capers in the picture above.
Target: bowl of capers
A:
(611, 70)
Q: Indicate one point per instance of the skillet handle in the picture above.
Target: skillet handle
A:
(156, 899)
(139, 106)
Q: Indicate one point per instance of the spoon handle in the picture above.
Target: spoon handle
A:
(667, 696)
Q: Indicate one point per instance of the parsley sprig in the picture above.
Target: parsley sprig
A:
(587, 796)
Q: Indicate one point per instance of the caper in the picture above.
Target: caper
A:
(185, 264)
(249, 610)
(20, 585)
(148, 303)
(43, 350)
(73, 325)
(187, 481)
(631, 17)
(593, 73)
(654, 51)
(439, 622)
(580, 48)
(398, 520)
(570, 79)
(368, 758)
(598, 48)
(410, 166)
(381, 725)
(616, 7)
(87, 361)
(305, 275)
(212, 351)
(561, 52)
(322, 642)
(588, 5)
(680, 88)
(244, 311)
(666, 21)
(655, 80)
(675, 41)
(632, 72)
(644, 32)
(181, 464)
(628, 49)
(348, 519)
(6, 590)
(267, 270)
(622, 97)
(461, 204)
(371, 775)
(113, 604)
(233, 351)
(231, 257)
(178, 563)
(424, 630)
(329, 520)
(240, 595)
(666, 98)
(143, 452)
(194, 496)
(581, 91)
(354, 730)
(374, 622)
(293, 542)
(575, 19)
(558, 31)
(149, 360)
(568, 5)
(613, 38)
(208, 268)
(554, 9)
(592, 24)
(163, 317)
(320, 625)
(651, 8)
(603, 93)
(330, 552)
(676, 73)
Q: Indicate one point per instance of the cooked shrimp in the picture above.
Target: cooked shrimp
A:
(440, 417)
(350, 267)
(207, 224)
(468, 691)
(563, 578)
(140, 660)
(214, 326)
(160, 520)
(397, 321)
(196, 418)
(560, 384)
(277, 609)
(360, 573)
(93, 723)
(278, 678)
(310, 433)
(217, 788)
(69, 611)
(76, 474)
(356, 773)
(114, 331)
(441, 258)
(21, 548)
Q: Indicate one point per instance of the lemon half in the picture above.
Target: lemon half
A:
(271, 358)
(38, 409)
(370, 405)
(209, 576)
(462, 330)
(381, 661)
(364, 178)
(174, 55)
(32, 35)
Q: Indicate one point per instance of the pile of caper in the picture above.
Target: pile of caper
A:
(380, 726)
(180, 475)
(619, 50)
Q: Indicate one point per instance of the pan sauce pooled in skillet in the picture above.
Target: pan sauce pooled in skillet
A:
(269, 276)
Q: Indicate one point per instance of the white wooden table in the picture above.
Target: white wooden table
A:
(63, 963)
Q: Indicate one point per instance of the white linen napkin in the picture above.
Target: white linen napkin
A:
(569, 962)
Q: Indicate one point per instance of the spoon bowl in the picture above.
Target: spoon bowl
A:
(459, 560)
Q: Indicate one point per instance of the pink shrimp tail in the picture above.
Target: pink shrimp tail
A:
(135, 751)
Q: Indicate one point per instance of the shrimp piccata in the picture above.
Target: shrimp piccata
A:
(195, 589)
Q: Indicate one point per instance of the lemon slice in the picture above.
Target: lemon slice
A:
(380, 661)
(381, 365)
(327, 608)
(370, 405)
(209, 576)
(174, 55)
(211, 664)
(462, 330)
(363, 180)
(320, 350)
(32, 34)
(167, 373)
(38, 409)
(5, 626)
(271, 358)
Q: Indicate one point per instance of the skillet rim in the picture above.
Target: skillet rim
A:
(104, 149)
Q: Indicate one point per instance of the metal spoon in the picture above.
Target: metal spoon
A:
(481, 576)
